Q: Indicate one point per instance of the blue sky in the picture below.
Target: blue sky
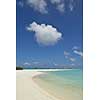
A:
(49, 32)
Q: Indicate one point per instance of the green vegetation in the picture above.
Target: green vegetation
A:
(19, 68)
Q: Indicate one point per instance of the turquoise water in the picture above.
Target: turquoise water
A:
(74, 77)
(63, 84)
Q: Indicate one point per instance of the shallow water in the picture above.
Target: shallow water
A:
(64, 85)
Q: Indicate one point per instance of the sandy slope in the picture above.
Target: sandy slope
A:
(27, 89)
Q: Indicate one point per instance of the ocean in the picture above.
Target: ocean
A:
(64, 84)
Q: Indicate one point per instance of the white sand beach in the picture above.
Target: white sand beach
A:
(27, 89)
(31, 87)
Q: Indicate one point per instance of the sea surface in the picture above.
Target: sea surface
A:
(64, 84)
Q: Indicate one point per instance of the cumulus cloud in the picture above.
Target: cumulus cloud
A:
(41, 5)
(38, 5)
(78, 53)
(45, 34)
(60, 5)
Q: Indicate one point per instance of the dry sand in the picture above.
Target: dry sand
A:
(27, 89)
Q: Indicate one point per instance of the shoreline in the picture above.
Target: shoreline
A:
(43, 70)
(27, 89)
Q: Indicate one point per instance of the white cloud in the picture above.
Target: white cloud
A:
(71, 7)
(69, 57)
(75, 48)
(38, 5)
(60, 5)
(21, 3)
(42, 5)
(72, 4)
(56, 1)
(45, 34)
(66, 57)
(78, 53)
(26, 63)
(72, 64)
(66, 53)
(55, 64)
(72, 59)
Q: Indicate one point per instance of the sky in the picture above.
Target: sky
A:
(49, 33)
